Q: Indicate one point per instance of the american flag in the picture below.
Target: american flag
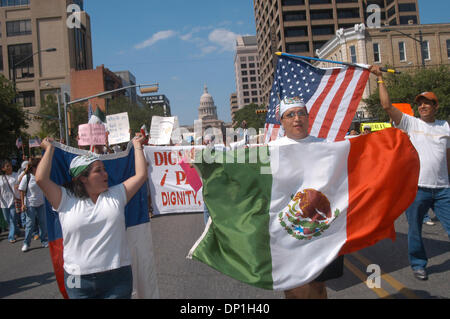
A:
(34, 142)
(19, 143)
(331, 96)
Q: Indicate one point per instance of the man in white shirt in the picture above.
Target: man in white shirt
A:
(431, 138)
(295, 121)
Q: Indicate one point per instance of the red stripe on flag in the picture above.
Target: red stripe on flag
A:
(56, 253)
(318, 103)
(374, 179)
(356, 98)
(335, 103)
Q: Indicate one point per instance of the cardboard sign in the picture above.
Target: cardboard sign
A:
(91, 134)
(118, 127)
(169, 184)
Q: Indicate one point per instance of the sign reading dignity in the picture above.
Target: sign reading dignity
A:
(91, 134)
(118, 127)
(170, 189)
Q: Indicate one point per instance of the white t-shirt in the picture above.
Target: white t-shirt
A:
(431, 141)
(286, 140)
(35, 196)
(6, 196)
(94, 235)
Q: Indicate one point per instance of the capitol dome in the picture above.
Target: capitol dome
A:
(207, 110)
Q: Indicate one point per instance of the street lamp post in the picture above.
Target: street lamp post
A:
(144, 88)
(420, 40)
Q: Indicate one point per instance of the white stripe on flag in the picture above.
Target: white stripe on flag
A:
(317, 125)
(344, 105)
(319, 90)
(298, 261)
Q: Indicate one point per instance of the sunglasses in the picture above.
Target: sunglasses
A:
(299, 113)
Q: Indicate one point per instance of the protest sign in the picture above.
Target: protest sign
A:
(91, 134)
(169, 186)
(118, 127)
(161, 130)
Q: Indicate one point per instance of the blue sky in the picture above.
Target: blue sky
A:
(184, 45)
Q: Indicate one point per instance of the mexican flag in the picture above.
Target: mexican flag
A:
(281, 214)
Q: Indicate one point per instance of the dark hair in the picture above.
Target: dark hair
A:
(76, 187)
(32, 164)
(2, 165)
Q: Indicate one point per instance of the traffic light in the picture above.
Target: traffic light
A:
(151, 89)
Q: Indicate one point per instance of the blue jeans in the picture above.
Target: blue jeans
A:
(11, 220)
(426, 198)
(34, 213)
(113, 284)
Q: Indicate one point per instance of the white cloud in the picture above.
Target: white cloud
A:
(223, 38)
(208, 49)
(158, 36)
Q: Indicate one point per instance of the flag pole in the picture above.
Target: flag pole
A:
(331, 61)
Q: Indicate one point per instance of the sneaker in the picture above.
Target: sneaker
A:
(420, 274)
(12, 241)
(45, 245)
(25, 247)
(430, 223)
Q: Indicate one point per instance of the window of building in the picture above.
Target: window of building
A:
(448, 49)
(245, 86)
(251, 65)
(11, 3)
(243, 72)
(322, 30)
(254, 93)
(294, 16)
(376, 53)
(426, 50)
(295, 32)
(319, 1)
(292, 2)
(255, 100)
(348, 13)
(318, 44)
(20, 27)
(252, 72)
(405, 7)
(297, 47)
(244, 79)
(406, 19)
(391, 12)
(253, 79)
(1, 57)
(321, 14)
(80, 48)
(393, 22)
(243, 66)
(246, 93)
(352, 54)
(22, 53)
(251, 58)
(253, 86)
(26, 99)
(246, 101)
(243, 59)
(346, 1)
(402, 51)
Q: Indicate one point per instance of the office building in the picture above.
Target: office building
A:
(128, 79)
(30, 31)
(302, 26)
(246, 68)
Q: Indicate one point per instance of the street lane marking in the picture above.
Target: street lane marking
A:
(362, 276)
(388, 278)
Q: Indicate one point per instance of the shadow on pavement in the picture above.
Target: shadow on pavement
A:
(11, 287)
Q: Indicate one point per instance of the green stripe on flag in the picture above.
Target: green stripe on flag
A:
(238, 197)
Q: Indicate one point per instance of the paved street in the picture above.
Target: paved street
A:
(30, 275)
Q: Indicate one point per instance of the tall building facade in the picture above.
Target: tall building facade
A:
(302, 26)
(30, 31)
(159, 100)
(246, 68)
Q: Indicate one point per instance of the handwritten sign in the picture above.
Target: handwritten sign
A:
(118, 127)
(91, 134)
(161, 130)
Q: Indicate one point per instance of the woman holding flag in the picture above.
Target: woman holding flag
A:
(97, 263)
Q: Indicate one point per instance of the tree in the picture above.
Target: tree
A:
(12, 119)
(49, 121)
(248, 114)
(403, 88)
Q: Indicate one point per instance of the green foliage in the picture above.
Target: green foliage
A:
(12, 119)
(248, 113)
(50, 127)
(403, 88)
